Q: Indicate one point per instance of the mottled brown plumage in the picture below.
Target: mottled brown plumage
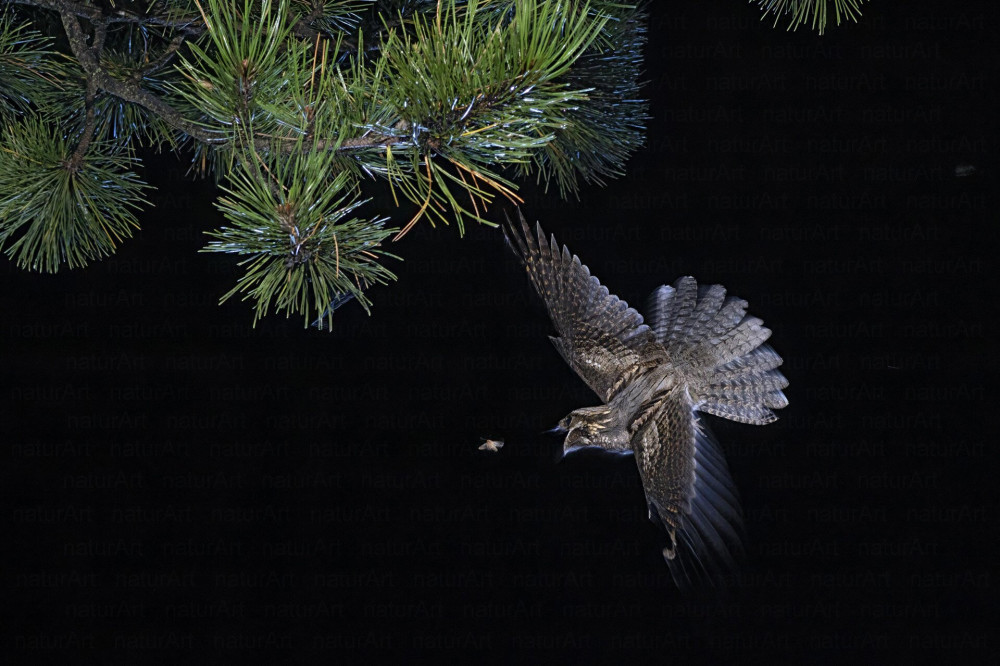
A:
(699, 352)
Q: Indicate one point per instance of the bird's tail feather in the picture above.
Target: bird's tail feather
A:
(709, 336)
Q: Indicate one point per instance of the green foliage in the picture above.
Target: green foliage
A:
(69, 212)
(481, 92)
(816, 12)
(596, 138)
(116, 118)
(448, 99)
(242, 65)
(30, 72)
(288, 215)
(335, 17)
(290, 105)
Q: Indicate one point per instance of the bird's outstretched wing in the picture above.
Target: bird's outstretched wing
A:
(600, 336)
(690, 493)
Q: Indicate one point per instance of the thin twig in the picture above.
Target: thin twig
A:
(164, 59)
(90, 125)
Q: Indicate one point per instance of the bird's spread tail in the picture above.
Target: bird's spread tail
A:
(709, 336)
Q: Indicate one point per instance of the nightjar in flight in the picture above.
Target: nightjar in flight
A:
(698, 352)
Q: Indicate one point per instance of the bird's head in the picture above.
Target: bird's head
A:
(584, 428)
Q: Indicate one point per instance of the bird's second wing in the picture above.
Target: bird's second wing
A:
(690, 493)
(600, 336)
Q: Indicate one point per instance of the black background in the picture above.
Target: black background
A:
(177, 480)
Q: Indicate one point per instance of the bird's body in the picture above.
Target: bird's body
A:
(698, 352)
(613, 425)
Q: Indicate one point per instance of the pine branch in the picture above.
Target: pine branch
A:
(164, 58)
(289, 104)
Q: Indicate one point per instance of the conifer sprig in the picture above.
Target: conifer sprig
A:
(292, 219)
(66, 211)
